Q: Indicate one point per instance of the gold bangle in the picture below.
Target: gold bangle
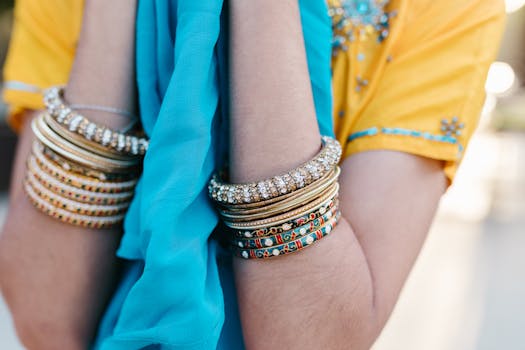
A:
(78, 181)
(50, 139)
(276, 220)
(303, 197)
(71, 218)
(73, 206)
(74, 193)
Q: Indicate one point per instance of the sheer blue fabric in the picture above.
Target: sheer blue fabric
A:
(177, 289)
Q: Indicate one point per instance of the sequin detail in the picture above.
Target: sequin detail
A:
(358, 19)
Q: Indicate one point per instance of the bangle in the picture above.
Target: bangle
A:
(93, 132)
(73, 206)
(314, 190)
(324, 200)
(78, 181)
(286, 236)
(288, 225)
(53, 141)
(71, 218)
(290, 247)
(277, 186)
(74, 193)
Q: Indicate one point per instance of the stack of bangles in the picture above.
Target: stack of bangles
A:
(81, 172)
(283, 214)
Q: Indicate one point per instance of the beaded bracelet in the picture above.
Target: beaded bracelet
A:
(288, 225)
(73, 206)
(291, 247)
(280, 219)
(71, 218)
(74, 193)
(79, 181)
(290, 203)
(280, 185)
(77, 123)
(286, 236)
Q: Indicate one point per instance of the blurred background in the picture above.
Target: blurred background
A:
(467, 290)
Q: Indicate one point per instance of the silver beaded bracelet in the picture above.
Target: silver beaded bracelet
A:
(77, 123)
(302, 176)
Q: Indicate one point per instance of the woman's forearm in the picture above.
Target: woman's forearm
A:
(336, 294)
(57, 278)
(297, 301)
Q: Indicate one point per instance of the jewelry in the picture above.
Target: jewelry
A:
(73, 206)
(71, 218)
(50, 139)
(79, 181)
(280, 185)
(283, 206)
(286, 236)
(330, 195)
(291, 247)
(288, 225)
(74, 193)
(93, 132)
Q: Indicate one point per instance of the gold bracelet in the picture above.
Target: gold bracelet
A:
(71, 218)
(74, 193)
(285, 205)
(73, 206)
(79, 181)
(276, 220)
(50, 139)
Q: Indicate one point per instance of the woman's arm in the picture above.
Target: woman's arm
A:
(339, 293)
(55, 277)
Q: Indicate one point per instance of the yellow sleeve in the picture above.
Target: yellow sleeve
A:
(40, 53)
(428, 97)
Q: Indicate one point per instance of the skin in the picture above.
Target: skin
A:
(335, 295)
(339, 293)
(57, 281)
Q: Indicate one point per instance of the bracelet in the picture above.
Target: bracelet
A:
(71, 218)
(302, 176)
(314, 190)
(97, 108)
(73, 206)
(78, 181)
(286, 236)
(77, 123)
(70, 166)
(324, 200)
(53, 141)
(291, 247)
(74, 193)
(288, 225)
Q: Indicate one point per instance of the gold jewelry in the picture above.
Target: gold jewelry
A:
(78, 181)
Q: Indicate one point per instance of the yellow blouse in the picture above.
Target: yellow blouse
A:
(409, 79)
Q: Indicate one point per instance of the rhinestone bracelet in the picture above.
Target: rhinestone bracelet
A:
(77, 123)
(302, 176)
(291, 247)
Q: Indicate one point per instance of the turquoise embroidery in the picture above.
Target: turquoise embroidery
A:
(452, 127)
(408, 132)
